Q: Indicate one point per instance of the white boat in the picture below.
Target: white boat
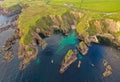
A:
(52, 61)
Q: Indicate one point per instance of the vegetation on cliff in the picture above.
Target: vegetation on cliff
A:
(33, 14)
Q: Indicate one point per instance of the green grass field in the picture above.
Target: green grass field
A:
(38, 8)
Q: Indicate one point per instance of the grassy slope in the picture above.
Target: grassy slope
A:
(102, 5)
(38, 9)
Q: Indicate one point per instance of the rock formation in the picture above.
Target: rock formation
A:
(82, 47)
(69, 58)
(108, 69)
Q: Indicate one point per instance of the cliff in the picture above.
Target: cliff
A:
(40, 19)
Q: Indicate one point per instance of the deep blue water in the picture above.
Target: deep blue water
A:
(42, 70)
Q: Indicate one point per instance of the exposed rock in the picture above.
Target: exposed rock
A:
(113, 26)
(108, 69)
(99, 26)
(64, 23)
(82, 48)
(91, 39)
(7, 27)
(22, 66)
(27, 54)
(8, 45)
(105, 63)
(41, 42)
(109, 39)
(69, 58)
(8, 56)
(11, 41)
(81, 37)
(106, 35)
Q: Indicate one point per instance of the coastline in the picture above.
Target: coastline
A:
(25, 51)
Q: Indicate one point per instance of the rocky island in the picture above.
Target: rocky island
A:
(69, 58)
(108, 69)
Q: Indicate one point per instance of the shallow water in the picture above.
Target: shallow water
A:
(42, 70)
(68, 40)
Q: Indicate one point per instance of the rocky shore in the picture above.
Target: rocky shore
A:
(8, 55)
(29, 52)
(8, 47)
(109, 39)
(10, 11)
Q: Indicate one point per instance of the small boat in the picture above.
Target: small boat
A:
(52, 61)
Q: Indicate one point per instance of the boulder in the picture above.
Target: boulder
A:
(8, 56)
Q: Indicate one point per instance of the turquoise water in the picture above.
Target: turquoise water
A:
(38, 61)
(80, 56)
(71, 39)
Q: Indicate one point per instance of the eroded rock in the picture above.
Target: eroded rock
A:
(108, 69)
(82, 47)
(8, 56)
(69, 58)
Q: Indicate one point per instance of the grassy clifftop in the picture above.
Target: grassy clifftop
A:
(37, 9)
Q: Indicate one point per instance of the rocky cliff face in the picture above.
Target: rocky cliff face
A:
(107, 30)
(106, 25)
(64, 23)
(113, 26)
